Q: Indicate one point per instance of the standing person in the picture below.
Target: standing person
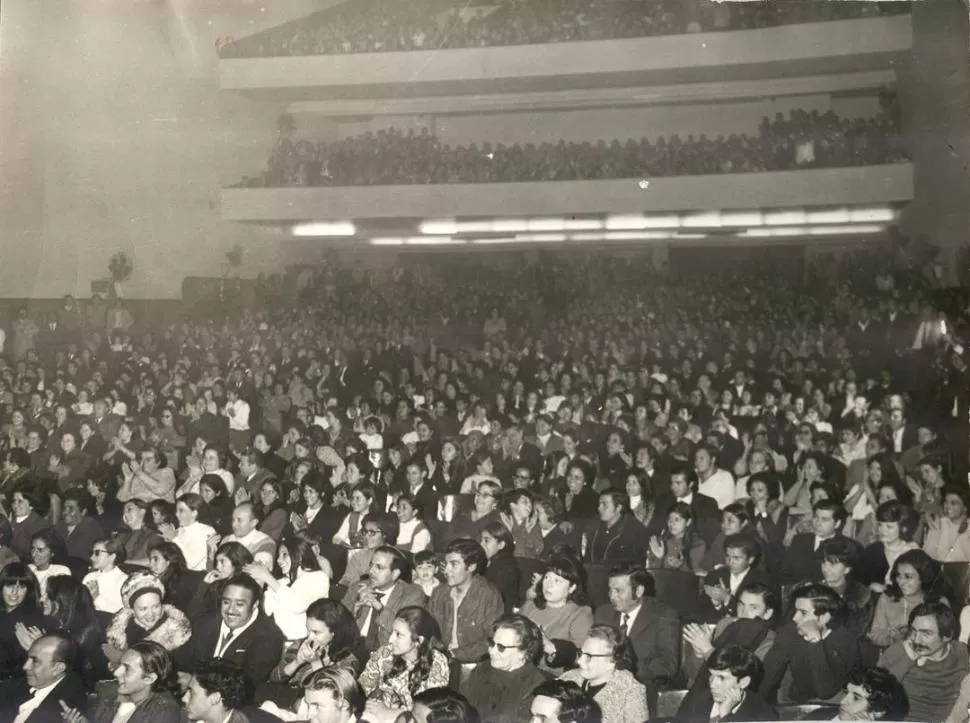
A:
(25, 331)
(467, 606)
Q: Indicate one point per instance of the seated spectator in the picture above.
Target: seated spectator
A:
(947, 536)
(146, 617)
(916, 578)
(929, 663)
(70, 608)
(146, 479)
(106, 509)
(333, 696)
(816, 648)
(705, 516)
(46, 555)
(485, 511)
(800, 563)
(838, 558)
(386, 590)
(106, 577)
(617, 538)
(192, 536)
(502, 570)
(166, 562)
(377, 530)
(413, 660)
(331, 640)
(579, 500)
(722, 586)
(874, 694)
(231, 558)
(652, 627)
(22, 613)
(897, 527)
(135, 535)
(563, 701)
(678, 547)
(49, 686)
(500, 687)
(605, 661)
(271, 510)
(426, 572)
(442, 705)
(76, 527)
(361, 505)
(734, 674)
(561, 610)
(218, 690)
(414, 535)
(468, 604)
(718, 484)
(736, 519)
(245, 522)
(518, 514)
(25, 521)
(549, 520)
(219, 505)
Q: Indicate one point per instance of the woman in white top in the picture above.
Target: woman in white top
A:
(106, 578)
(477, 421)
(361, 503)
(413, 535)
(45, 547)
(303, 582)
(192, 536)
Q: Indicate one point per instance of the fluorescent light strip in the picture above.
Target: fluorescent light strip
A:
(324, 228)
(444, 227)
(742, 218)
(871, 215)
(634, 222)
(785, 218)
(540, 237)
(840, 230)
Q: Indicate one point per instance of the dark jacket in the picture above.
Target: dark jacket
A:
(80, 541)
(16, 692)
(708, 613)
(624, 543)
(481, 606)
(250, 650)
(503, 573)
(698, 708)
(156, 708)
(403, 595)
(655, 638)
(500, 696)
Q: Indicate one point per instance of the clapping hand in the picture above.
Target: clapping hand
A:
(258, 573)
(656, 547)
(699, 637)
(27, 636)
(71, 715)
(718, 594)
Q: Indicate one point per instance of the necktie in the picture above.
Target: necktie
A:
(224, 643)
(624, 621)
(370, 639)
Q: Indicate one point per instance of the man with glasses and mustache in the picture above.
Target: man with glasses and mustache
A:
(930, 663)
(501, 687)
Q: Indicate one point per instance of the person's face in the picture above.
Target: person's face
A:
(888, 532)
(676, 525)
(33, 441)
(185, 514)
(823, 523)
(854, 704)
(425, 572)
(751, 606)
(40, 667)
(243, 522)
(157, 564)
(373, 537)
(210, 461)
(405, 512)
(622, 596)
(596, 660)
(72, 512)
(456, 572)
(485, 501)
(575, 481)
(208, 494)
(722, 684)
(491, 544)
(924, 636)
(68, 443)
(130, 675)
(40, 554)
(147, 609)
(736, 560)
(14, 594)
(908, 580)
(679, 486)
(225, 567)
(544, 710)
(100, 558)
(953, 507)
(931, 475)
(555, 588)
(505, 650)
(323, 707)
(237, 606)
(834, 572)
(730, 524)
(812, 473)
(702, 461)
(381, 573)
(319, 632)
(196, 701)
(284, 560)
(268, 495)
(805, 619)
(133, 516)
(359, 502)
(633, 487)
(402, 641)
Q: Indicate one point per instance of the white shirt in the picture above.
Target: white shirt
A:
(193, 542)
(109, 589)
(253, 541)
(287, 605)
(631, 618)
(223, 629)
(898, 440)
(720, 486)
(408, 533)
(33, 703)
(385, 595)
(735, 582)
(238, 413)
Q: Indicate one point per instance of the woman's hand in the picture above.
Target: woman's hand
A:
(656, 547)
(71, 715)
(212, 542)
(259, 573)
(700, 638)
(307, 652)
(212, 576)
(167, 530)
(27, 636)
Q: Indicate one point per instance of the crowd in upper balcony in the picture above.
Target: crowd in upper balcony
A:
(803, 139)
(375, 26)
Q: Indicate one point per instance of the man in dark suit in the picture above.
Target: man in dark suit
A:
(652, 627)
(720, 593)
(49, 683)
(800, 563)
(252, 473)
(376, 602)
(516, 451)
(901, 432)
(105, 423)
(734, 674)
(240, 633)
(683, 488)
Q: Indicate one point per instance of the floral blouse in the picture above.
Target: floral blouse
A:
(395, 692)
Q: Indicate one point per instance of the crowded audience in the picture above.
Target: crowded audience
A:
(381, 27)
(576, 489)
(802, 139)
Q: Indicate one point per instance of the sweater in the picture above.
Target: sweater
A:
(819, 671)
(932, 687)
(623, 699)
(502, 696)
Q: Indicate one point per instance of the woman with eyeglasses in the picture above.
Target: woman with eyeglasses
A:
(413, 660)
(605, 661)
(501, 687)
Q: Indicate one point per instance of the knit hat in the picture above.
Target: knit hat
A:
(139, 583)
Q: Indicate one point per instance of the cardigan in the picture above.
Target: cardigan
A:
(622, 700)
(933, 687)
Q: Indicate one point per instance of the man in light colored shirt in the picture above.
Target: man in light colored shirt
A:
(244, 524)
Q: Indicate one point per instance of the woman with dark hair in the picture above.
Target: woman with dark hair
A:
(549, 518)
(286, 599)
(107, 509)
(21, 610)
(219, 503)
(915, 578)
(413, 534)
(318, 518)
(271, 509)
(561, 611)
(518, 514)
(838, 557)
(230, 559)
(897, 527)
(362, 498)
(642, 502)
(579, 500)
(192, 535)
(332, 639)
(166, 562)
(678, 547)
(27, 518)
(70, 608)
(502, 570)
(501, 687)
(606, 665)
(413, 660)
(146, 617)
(948, 535)
(47, 552)
(139, 537)
(148, 690)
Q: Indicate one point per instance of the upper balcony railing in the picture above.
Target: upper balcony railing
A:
(379, 26)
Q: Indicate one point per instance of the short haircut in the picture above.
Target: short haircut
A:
(904, 515)
(471, 552)
(765, 592)
(575, 704)
(553, 507)
(639, 577)
(686, 472)
(445, 705)
(247, 583)
(946, 620)
(65, 649)
(341, 683)
(530, 635)
(114, 546)
(747, 544)
(738, 661)
(824, 600)
(838, 549)
(837, 509)
(76, 494)
(887, 696)
(618, 497)
(399, 561)
(388, 524)
(228, 680)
